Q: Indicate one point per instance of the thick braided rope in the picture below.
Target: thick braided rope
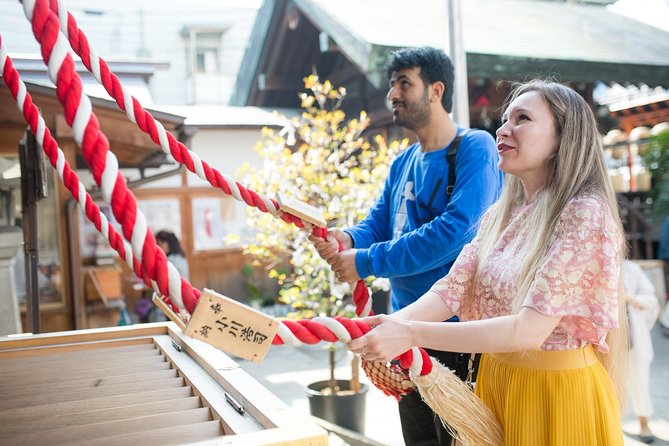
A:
(102, 162)
(148, 124)
(95, 147)
(294, 333)
(312, 331)
(78, 113)
(86, 133)
(56, 157)
(154, 129)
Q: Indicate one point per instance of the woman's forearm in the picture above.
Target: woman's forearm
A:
(430, 307)
(524, 331)
(391, 336)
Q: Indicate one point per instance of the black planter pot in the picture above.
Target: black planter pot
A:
(343, 410)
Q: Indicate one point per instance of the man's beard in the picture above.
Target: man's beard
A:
(414, 115)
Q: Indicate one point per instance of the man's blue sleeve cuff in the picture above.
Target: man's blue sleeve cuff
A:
(352, 235)
(362, 263)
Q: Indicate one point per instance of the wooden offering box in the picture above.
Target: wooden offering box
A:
(137, 385)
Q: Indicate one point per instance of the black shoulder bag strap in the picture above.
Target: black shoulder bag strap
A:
(451, 158)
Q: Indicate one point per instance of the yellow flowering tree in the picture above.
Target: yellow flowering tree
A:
(322, 159)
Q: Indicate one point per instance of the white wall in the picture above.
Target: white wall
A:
(225, 150)
(115, 30)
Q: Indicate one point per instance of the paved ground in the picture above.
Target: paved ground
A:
(287, 370)
(659, 382)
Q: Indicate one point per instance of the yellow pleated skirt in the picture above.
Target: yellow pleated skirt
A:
(552, 398)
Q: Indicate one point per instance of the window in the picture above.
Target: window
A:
(207, 48)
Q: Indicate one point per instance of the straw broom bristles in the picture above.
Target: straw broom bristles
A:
(463, 413)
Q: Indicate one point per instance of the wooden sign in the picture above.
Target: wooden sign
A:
(300, 209)
(232, 327)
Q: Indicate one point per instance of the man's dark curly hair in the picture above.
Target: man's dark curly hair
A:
(434, 64)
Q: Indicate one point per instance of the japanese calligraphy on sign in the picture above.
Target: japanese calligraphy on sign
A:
(300, 209)
(232, 326)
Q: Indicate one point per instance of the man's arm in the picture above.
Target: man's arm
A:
(374, 228)
(439, 241)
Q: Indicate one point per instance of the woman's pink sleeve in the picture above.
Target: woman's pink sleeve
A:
(579, 277)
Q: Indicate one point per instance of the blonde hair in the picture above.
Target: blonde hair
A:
(577, 168)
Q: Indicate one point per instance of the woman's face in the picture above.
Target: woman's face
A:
(527, 138)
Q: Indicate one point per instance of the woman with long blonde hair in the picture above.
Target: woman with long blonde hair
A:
(538, 290)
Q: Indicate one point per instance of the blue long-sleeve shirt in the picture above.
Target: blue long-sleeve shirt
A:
(411, 235)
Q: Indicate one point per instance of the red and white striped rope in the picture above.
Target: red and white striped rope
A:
(104, 165)
(78, 114)
(311, 331)
(154, 129)
(56, 157)
(148, 124)
(87, 134)
(294, 333)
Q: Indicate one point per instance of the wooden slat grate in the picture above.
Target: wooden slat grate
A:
(106, 394)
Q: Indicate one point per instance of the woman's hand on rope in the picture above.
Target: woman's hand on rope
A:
(389, 338)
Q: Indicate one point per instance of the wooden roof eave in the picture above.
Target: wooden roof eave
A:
(519, 68)
(132, 147)
(355, 49)
(267, 21)
(369, 58)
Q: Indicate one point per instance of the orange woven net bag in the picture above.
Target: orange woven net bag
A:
(389, 377)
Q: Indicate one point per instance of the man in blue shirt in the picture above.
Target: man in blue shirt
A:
(416, 229)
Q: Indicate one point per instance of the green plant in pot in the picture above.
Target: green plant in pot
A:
(322, 159)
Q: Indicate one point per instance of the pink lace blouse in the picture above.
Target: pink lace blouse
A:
(577, 280)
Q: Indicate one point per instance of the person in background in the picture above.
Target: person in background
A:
(175, 254)
(420, 223)
(643, 310)
(538, 290)
(168, 242)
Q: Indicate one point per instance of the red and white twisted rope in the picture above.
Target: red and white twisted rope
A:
(311, 331)
(95, 147)
(154, 129)
(104, 166)
(56, 157)
(294, 333)
(291, 333)
(146, 122)
(102, 162)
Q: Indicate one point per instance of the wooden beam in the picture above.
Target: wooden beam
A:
(10, 137)
(519, 68)
(268, 82)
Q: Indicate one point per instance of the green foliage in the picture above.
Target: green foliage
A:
(320, 158)
(259, 296)
(656, 160)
